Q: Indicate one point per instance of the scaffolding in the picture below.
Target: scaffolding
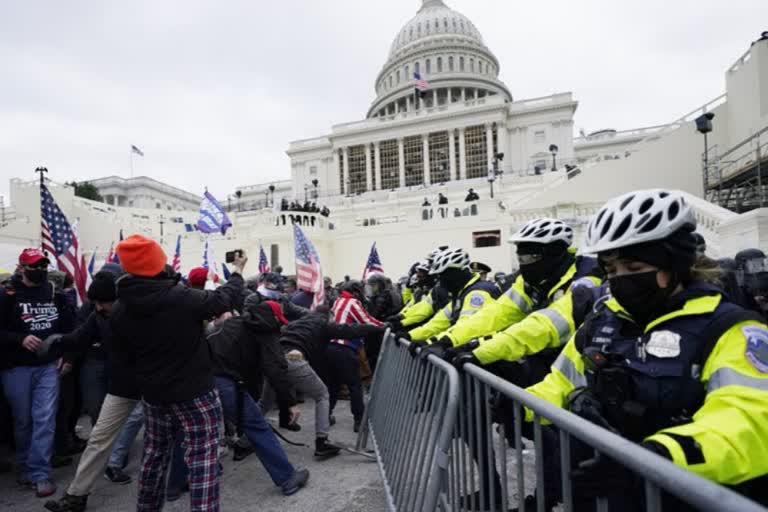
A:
(738, 179)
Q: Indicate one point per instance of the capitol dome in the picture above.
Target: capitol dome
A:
(448, 51)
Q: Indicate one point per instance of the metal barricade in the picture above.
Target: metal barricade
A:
(410, 420)
(481, 471)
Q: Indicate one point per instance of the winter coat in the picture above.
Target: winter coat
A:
(161, 322)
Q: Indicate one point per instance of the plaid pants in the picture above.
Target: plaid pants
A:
(199, 420)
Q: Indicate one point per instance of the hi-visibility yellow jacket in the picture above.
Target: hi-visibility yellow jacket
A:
(425, 309)
(550, 327)
(407, 295)
(730, 429)
(468, 302)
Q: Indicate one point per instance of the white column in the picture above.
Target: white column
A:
(347, 187)
(425, 145)
(377, 166)
(504, 146)
(401, 160)
(368, 167)
(489, 144)
(462, 154)
(463, 94)
(336, 171)
(452, 154)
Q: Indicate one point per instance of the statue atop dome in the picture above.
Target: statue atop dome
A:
(432, 3)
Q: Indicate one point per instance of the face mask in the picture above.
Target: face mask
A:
(639, 294)
(268, 293)
(453, 281)
(36, 275)
(536, 273)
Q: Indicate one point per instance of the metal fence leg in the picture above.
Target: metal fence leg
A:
(565, 470)
(519, 454)
(539, 463)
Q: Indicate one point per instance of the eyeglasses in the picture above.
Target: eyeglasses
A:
(527, 259)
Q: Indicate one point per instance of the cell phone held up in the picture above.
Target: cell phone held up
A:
(230, 256)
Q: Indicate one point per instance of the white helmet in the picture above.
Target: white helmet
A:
(638, 217)
(450, 258)
(544, 231)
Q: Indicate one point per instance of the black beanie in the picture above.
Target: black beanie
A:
(102, 288)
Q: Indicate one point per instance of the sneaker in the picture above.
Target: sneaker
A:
(296, 482)
(324, 449)
(116, 476)
(241, 452)
(23, 481)
(44, 488)
(293, 427)
(68, 503)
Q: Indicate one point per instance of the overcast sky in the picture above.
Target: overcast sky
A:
(213, 92)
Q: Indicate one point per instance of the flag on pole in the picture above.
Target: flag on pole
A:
(263, 262)
(91, 268)
(61, 242)
(176, 263)
(136, 150)
(226, 271)
(110, 254)
(213, 218)
(309, 274)
(205, 263)
(421, 84)
(209, 261)
(373, 265)
(115, 257)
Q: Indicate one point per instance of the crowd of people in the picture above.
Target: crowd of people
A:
(639, 332)
(306, 207)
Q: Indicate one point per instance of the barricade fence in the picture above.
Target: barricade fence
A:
(460, 442)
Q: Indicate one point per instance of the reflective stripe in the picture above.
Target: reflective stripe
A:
(428, 299)
(518, 299)
(447, 310)
(567, 368)
(729, 377)
(468, 312)
(559, 321)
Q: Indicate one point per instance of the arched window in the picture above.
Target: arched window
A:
(411, 33)
(454, 24)
(407, 72)
(390, 81)
(398, 76)
(437, 25)
(416, 68)
(426, 27)
(450, 63)
(445, 23)
(472, 65)
(439, 64)
(428, 66)
(418, 29)
(461, 63)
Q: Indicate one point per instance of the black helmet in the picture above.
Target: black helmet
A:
(751, 260)
(727, 264)
(356, 288)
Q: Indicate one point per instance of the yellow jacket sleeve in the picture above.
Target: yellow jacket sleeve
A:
(437, 324)
(473, 303)
(407, 295)
(567, 374)
(494, 316)
(418, 313)
(727, 441)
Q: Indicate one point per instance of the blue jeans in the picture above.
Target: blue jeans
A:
(33, 394)
(127, 435)
(268, 449)
(93, 387)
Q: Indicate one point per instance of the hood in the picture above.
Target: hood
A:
(143, 294)
(261, 318)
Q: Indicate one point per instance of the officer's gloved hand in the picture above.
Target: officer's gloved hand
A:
(47, 343)
(465, 358)
(453, 352)
(436, 347)
(415, 346)
(601, 476)
(657, 448)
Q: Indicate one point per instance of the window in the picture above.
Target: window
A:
(457, 154)
(414, 160)
(472, 65)
(450, 63)
(407, 73)
(428, 66)
(158, 206)
(418, 30)
(486, 238)
(477, 151)
(439, 163)
(313, 170)
(390, 164)
(274, 253)
(445, 23)
(357, 169)
(439, 64)
(437, 25)
(390, 81)
(538, 136)
(416, 68)
(461, 63)
(398, 76)
(342, 185)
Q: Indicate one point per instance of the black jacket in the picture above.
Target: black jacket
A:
(161, 323)
(39, 311)
(247, 349)
(120, 365)
(312, 333)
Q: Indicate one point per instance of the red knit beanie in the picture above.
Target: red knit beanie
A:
(197, 277)
(277, 309)
(141, 256)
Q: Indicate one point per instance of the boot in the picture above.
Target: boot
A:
(324, 449)
(356, 426)
(68, 503)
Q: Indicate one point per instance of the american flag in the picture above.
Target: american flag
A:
(421, 84)
(111, 253)
(176, 263)
(136, 150)
(91, 268)
(263, 262)
(309, 275)
(374, 263)
(60, 240)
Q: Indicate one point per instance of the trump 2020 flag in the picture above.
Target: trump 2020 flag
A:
(309, 275)
(373, 265)
(213, 218)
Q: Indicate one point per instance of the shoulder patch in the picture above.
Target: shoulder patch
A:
(584, 282)
(476, 300)
(757, 346)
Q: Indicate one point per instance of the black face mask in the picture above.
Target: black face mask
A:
(640, 295)
(536, 273)
(454, 280)
(36, 275)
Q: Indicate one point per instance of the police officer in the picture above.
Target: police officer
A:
(434, 298)
(481, 268)
(664, 360)
(752, 276)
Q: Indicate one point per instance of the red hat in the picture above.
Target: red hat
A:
(32, 256)
(197, 277)
(141, 256)
(277, 309)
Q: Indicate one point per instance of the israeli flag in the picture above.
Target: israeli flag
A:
(213, 218)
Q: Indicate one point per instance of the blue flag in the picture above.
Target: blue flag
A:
(213, 218)
(225, 271)
(115, 258)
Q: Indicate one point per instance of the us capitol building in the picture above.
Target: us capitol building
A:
(467, 130)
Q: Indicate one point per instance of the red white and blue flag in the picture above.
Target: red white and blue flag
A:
(176, 263)
(309, 274)
(373, 265)
(112, 256)
(421, 84)
(263, 262)
(60, 241)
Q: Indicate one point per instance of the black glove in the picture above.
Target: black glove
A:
(657, 448)
(601, 476)
(453, 352)
(403, 334)
(396, 322)
(414, 346)
(436, 347)
(465, 358)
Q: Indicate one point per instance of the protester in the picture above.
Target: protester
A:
(161, 322)
(197, 278)
(30, 311)
(471, 196)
